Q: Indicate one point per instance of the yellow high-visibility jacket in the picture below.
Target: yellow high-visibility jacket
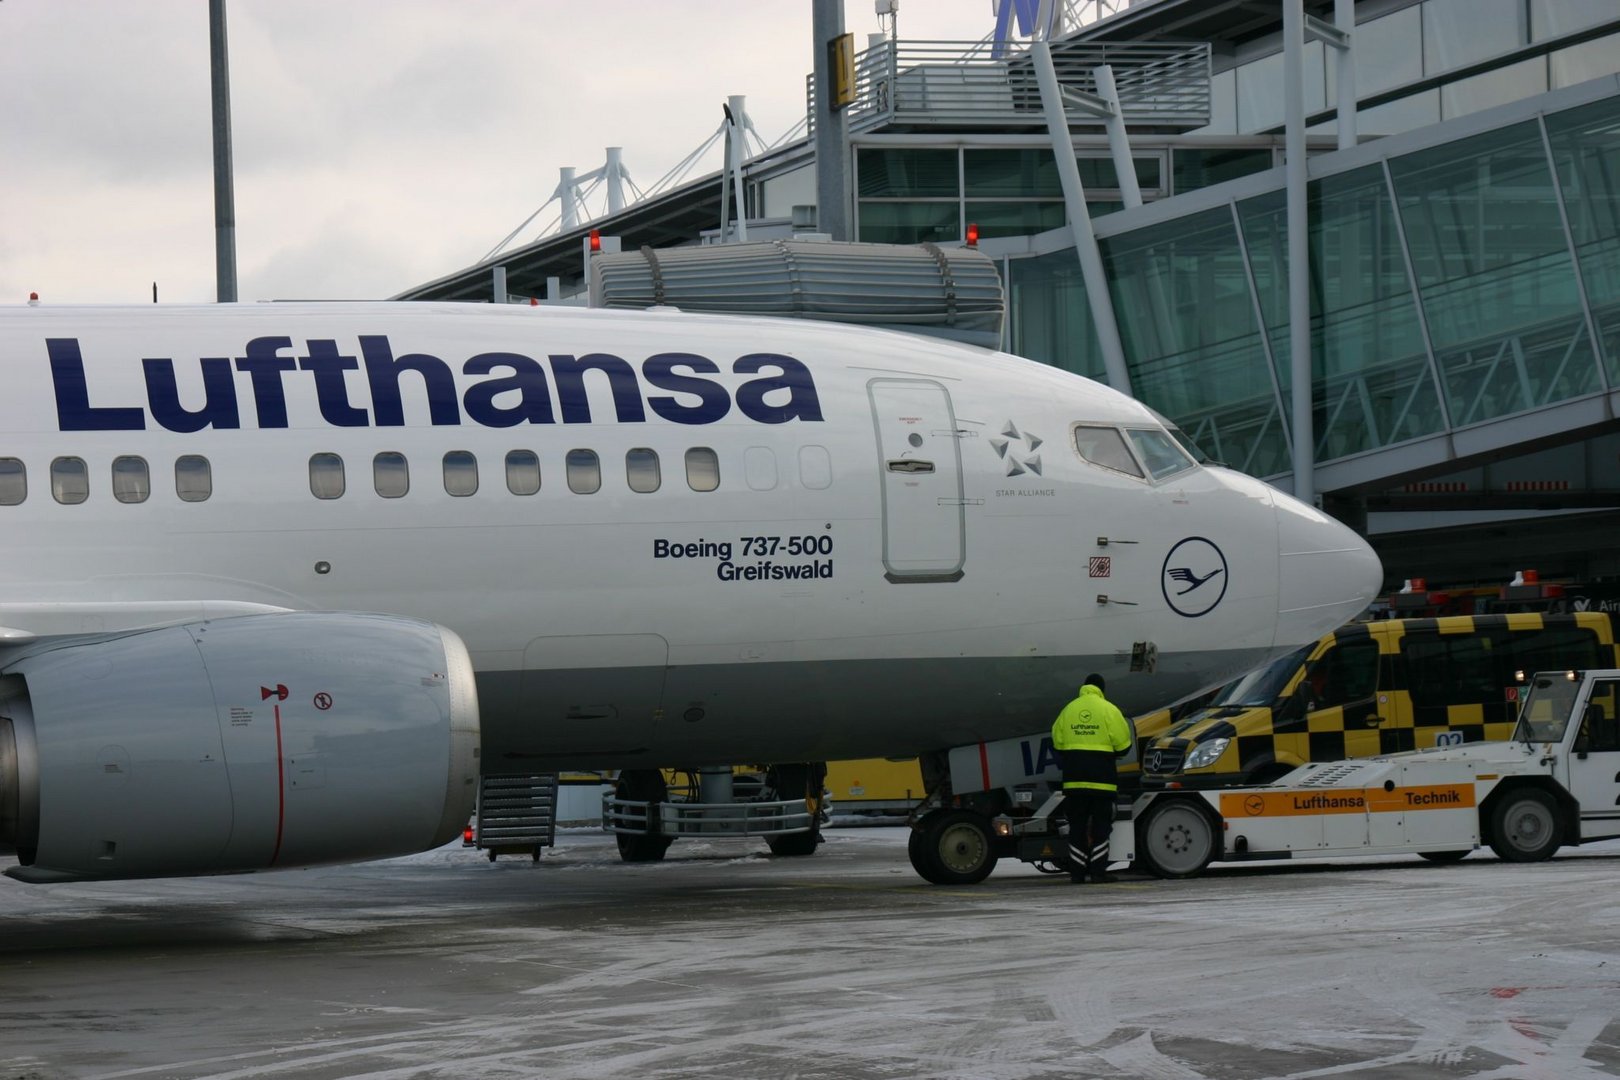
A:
(1088, 735)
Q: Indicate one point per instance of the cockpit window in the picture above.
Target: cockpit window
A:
(1161, 454)
(1106, 447)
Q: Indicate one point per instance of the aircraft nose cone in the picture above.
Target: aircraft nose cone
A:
(1326, 574)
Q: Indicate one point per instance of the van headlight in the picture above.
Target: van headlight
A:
(1206, 754)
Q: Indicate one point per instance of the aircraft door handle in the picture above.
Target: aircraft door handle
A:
(911, 465)
(1375, 720)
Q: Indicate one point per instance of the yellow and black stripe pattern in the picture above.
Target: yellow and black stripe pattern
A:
(1382, 687)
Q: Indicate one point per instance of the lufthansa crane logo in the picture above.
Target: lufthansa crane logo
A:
(1194, 577)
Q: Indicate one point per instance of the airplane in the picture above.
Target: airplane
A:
(277, 580)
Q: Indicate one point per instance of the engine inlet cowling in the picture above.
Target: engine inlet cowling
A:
(249, 743)
(19, 777)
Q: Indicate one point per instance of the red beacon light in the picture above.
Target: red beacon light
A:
(33, 299)
(1526, 585)
(973, 235)
(596, 241)
(1414, 596)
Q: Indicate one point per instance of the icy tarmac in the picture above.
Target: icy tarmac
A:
(723, 962)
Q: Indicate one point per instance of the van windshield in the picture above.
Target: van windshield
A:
(1263, 686)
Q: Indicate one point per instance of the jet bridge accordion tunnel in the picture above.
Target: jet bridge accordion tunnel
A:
(953, 293)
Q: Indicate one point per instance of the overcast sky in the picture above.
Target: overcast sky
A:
(378, 143)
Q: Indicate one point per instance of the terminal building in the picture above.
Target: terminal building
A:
(1464, 248)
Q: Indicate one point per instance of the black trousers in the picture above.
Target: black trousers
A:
(1090, 814)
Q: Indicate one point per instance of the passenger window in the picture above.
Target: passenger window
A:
(584, 472)
(522, 472)
(326, 476)
(702, 469)
(70, 480)
(1159, 452)
(193, 478)
(641, 470)
(815, 467)
(391, 475)
(1105, 446)
(13, 481)
(460, 473)
(759, 468)
(131, 480)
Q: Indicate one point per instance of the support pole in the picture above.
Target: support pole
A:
(1299, 297)
(570, 205)
(738, 145)
(1074, 202)
(1119, 141)
(1344, 17)
(730, 131)
(224, 193)
(832, 127)
(613, 173)
(498, 285)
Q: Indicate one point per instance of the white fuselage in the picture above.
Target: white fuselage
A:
(904, 550)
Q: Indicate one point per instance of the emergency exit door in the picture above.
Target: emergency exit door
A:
(920, 459)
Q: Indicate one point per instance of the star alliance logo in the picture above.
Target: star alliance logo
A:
(1018, 450)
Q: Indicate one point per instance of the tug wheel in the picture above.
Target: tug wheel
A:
(1525, 826)
(1176, 839)
(952, 847)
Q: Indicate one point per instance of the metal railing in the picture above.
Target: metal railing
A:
(637, 818)
(955, 83)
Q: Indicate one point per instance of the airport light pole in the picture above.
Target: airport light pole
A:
(832, 127)
(224, 195)
(1299, 297)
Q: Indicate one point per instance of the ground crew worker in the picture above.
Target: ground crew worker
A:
(1088, 735)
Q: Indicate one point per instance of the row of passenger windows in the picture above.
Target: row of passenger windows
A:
(582, 470)
(131, 480)
(391, 475)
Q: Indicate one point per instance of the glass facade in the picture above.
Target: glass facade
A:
(1494, 272)
(1586, 149)
(1048, 317)
(1186, 317)
(1449, 286)
(929, 194)
(1428, 40)
(1372, 381)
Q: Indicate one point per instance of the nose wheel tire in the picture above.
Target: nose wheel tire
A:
(1175, 839)
(642, 785)
(952, 847)
(1526, 826)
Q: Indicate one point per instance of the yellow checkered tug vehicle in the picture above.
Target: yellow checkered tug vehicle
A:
(1375, 688)
(1555, 782)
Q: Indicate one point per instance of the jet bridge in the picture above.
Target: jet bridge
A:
(953, 293)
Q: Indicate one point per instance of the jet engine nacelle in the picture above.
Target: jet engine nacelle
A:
(235, 744)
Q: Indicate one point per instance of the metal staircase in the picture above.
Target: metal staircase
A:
(517, 814)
